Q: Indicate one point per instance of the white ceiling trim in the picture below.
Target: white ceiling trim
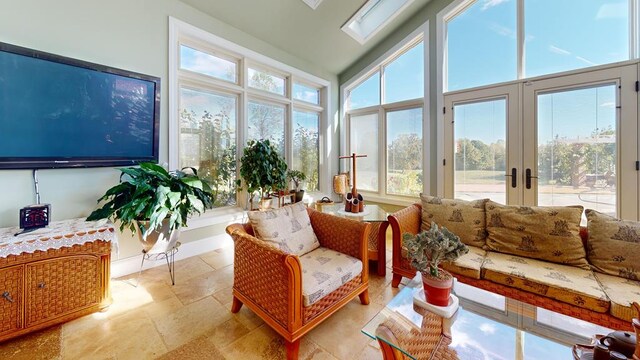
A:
(312, 3)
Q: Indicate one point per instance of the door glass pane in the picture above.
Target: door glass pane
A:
(306, 93)
(577, 148)
(208, 140)
(207, 64)
(305, 146)
(267, 82)
(480, 150)
(366, 94)
(481, 45)
(536, 347)
(266, 121)
(364, 141)
(404, 76)
(404, 152)
(573, 34)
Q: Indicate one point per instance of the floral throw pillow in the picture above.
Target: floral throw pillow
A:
(287, 228)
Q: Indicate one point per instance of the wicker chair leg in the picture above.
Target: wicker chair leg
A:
(293, 349)
(364, 297)
(236, 305)
(396, 280)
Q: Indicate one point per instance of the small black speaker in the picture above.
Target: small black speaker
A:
(35, 216)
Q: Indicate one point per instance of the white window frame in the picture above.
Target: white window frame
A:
(458, 6)
(184, 33)
(418, 35)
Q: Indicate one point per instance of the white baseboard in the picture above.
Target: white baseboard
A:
(130, 265)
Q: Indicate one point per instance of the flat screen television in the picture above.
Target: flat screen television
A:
(58, 112)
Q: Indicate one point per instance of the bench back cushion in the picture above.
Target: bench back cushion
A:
(550, 233)
(287, 228)
(613, 246)
(463, 218)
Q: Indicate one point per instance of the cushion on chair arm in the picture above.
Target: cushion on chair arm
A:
(269, 277)
(407, 220)
(246, 228)
(343, 235)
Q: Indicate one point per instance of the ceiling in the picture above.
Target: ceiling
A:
(292, 26)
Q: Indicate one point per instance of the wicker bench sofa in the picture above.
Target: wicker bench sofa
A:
(596, 282)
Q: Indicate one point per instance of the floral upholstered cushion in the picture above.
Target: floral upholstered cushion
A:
(614, 245)
(287, 228)
(468, 265)
(568, 284)
(325, 270)
(463, 218)
(550, 233)
(622, 293)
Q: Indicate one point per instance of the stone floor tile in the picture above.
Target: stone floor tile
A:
(219, 258)
(43, 344)
(203, 285)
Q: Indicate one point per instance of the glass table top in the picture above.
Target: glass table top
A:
(372, 213)
(486, 326)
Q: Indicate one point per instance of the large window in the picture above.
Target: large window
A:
(488, 43)
(384, 119)
(227, 95)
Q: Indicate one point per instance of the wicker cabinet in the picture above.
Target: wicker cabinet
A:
(46, 287)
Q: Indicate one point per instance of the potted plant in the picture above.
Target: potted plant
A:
(426, 251)
(262, 169)
(297, 177)
(154, 203)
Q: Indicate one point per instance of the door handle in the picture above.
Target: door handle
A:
(528, 178)
(514, 177)
(7, 296)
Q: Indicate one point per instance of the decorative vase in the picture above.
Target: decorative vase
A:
(157, 241)
(437, 290)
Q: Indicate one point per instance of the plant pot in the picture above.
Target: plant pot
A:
(266, 203)
(437, 290)
(299, 195)
(157, 241)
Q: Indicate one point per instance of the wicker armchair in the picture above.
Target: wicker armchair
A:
(406, 220)
(269, 281)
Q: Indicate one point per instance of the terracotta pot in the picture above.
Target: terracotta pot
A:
(437, 290)
(636, 327)
(355, 206)
(266, 203)
(361, 203)
(158, 241)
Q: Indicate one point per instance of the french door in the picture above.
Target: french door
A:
(569, 140)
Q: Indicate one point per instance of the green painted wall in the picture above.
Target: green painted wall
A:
(127, 34)
(427, 13)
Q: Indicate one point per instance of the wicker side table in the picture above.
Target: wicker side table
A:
(53, 275)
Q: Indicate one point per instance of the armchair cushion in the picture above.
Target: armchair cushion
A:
(614, 245)
(287, 228)
(463, 218)
(325, 270)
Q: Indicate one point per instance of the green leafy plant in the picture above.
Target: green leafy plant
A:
(149, 192)
(429, 248)
(297, 177)
(262, 168)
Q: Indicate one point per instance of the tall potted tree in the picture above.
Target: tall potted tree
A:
(154, 203)
(426, 251)
(262, 170)
(297, 177)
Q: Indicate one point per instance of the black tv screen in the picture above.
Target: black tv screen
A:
(60, 112)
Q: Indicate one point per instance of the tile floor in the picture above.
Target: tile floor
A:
(192, 320)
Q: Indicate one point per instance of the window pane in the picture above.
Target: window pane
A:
(404, 152)
(480, 131)
(481, 45)
(267, 82)
(572, 34)
(577, 148)
(404, 77)
(208, 140)
(364, 141)
(200, 62)
(366, 94)
(306, 93)
(305, 146)
(537, 347)
(266, 121)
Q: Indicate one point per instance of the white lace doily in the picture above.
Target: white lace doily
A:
(58, 234)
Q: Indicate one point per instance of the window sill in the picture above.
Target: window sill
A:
(226, 215)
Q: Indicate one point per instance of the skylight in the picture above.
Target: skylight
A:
(312, 3)
(372, 17)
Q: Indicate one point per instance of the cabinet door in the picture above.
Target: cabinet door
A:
(11, 282)
(57, 287)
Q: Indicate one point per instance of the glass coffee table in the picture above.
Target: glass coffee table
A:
(486, 326)
(377, 217)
